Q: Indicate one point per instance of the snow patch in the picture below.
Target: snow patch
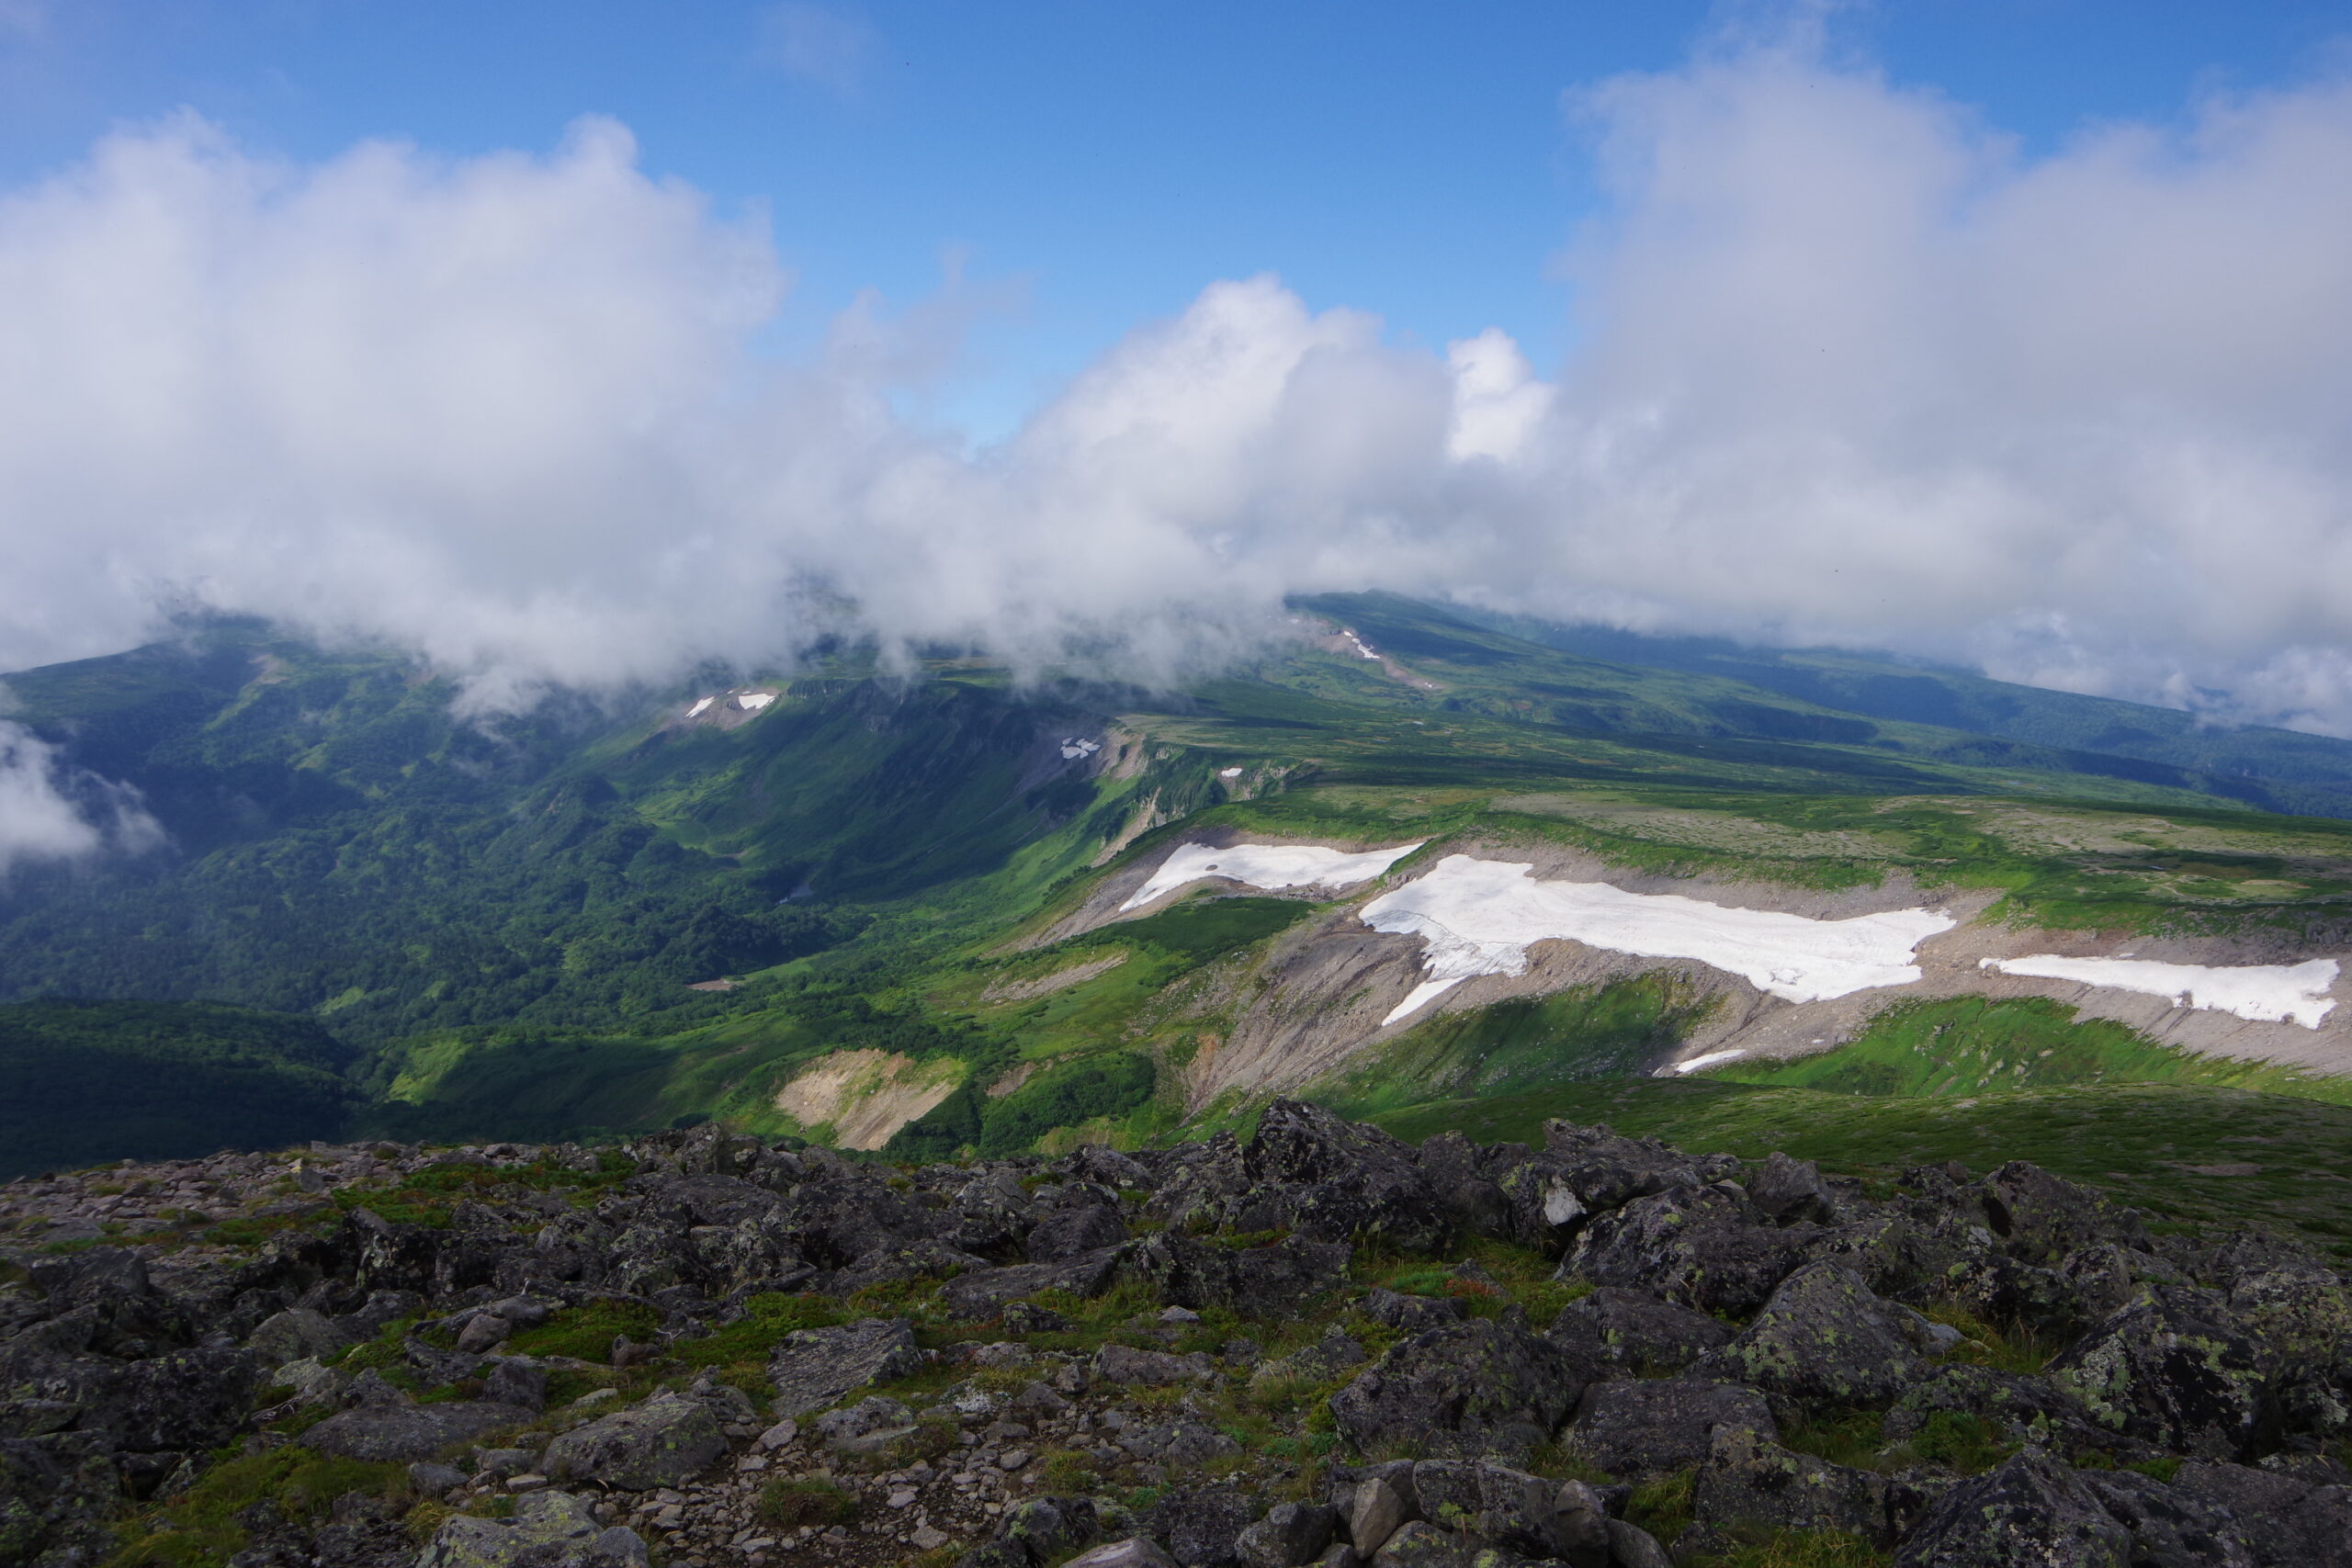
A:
(1479, 916)
(1363, 649)
(2265, 993)
(752, 701)
(1229, 772)
(695, 711)
(1268, 867)
(1077, 747)
(1712, 1059)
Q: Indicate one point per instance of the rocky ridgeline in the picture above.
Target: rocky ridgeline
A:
(1320, 1347)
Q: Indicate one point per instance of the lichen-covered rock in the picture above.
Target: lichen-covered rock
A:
(54, 1495)
(1699, 1246)
(2300, 1312)
(2286, 1522)
(2015, 1408)
(549, 1529)
(1639, 1429)
(2169, 1369)
(1465, 1389)
(2029, 1511)
(1492, 1503)
(407, 1432)
(2168, 1526)
(1150, 1369)
(1202, 1526)
(1038, 1532)
(1787, 1190)
(1822, 1337)
(987, 1293)
(1334, 1180)
(1181, 1444)
(1638, 1332)
(1290, 1536)
(814, 1368)
(667, 1439)
(294, 1334)
(1414, 1314)
(1072, 1232)
(1748, 1479)
(175, 1401)
(2042, 1218)
(1258, 1280)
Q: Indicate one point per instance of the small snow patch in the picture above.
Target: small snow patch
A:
(1479, 916)
(1712, 1058)
(1269, 866)
(752, 701)
(1079, 748)
(695, 711)
(2263, 993)
(1229, 772)
(1363, 649)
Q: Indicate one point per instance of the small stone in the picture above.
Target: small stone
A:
(526, 1482)
(1014, 1458)
(924, 1539)
(902, 1497)
(775, 1436)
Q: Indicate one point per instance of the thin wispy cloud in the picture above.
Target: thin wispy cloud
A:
(824, 48)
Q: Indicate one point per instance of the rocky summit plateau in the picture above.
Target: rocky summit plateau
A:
(1318, 1345)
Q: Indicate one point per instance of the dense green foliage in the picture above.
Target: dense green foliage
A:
(82, 1082)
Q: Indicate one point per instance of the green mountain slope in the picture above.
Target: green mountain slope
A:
(82, 1082)
(524, 923)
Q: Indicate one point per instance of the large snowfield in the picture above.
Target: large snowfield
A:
(1479, 916)
(1268, 867)
(2265, 993)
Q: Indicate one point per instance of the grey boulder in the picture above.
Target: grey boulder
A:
(549, 1529)
(1648, 1429)
(1466, 1389)
(409, 1432)
(662, 1442)
(814, 1368)
(1822, 1337)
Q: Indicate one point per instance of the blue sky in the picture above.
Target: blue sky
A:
(1092, 164)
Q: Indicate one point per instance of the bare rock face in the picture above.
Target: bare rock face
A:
(1698, 1246)
(1750, 1479)
(408, 1432)
(1467, 1388)
(1639, 1334)
(1645, 1429)
(815, 1367)
(666, 1441)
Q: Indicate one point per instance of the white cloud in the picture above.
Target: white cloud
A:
(1851, 367)
(49, 811)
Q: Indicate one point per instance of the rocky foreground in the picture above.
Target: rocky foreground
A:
(1320, 1347)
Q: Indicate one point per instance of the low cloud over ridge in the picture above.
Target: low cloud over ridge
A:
(1852, 367)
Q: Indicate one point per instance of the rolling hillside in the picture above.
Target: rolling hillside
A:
(852, 905)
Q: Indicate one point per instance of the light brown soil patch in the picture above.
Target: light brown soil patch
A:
(865, 1096)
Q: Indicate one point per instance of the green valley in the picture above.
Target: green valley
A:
(886, 909)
